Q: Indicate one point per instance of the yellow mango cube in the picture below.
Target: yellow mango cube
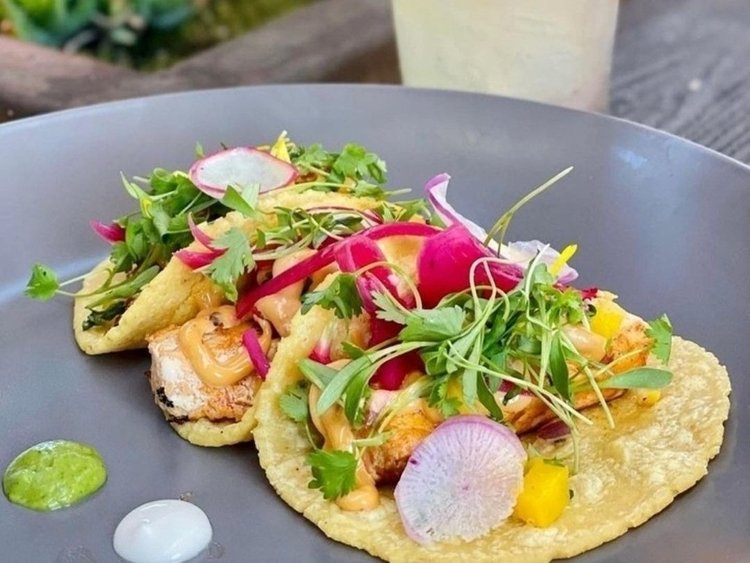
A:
(647, 397)
(607, 319)
(545, 493)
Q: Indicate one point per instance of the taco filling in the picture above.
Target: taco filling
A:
(205, 216)
(485, 395)
(206, 372)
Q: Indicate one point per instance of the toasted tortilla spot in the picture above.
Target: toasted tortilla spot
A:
(178, 293)
(627, 474)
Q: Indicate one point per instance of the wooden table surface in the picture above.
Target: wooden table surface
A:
(684, 66)
(679, 65)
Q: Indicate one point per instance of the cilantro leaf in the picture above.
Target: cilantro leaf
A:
(433, 324)
(341, 296)
(313, 156)
(43, 283)
(388, 309)
(358, 163)
(227, 268)
(403, 210)
(441, 400)
(661, 331)
(293, 403)
(334, 472)
(366, 189)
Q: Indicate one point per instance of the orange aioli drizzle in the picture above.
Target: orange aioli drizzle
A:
(281, 307)
(203, 359)
(336, 430)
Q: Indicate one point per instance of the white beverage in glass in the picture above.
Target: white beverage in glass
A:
(554, 51)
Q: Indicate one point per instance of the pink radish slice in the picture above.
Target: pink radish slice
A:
(111, 233)
(358, 252)
(437, 194)
(461, 481)
(255, 351)
(241, 167)
(444, 265)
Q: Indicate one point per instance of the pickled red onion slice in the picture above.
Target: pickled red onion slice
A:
(323, 258)
(444, 265)
(255, 351)
(111, 233)
(437, 194)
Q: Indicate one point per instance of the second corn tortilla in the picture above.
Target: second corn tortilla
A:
(178, 293)
(626, 476)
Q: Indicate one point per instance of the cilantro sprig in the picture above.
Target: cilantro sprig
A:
(341, 296)
(334, 472)
(478, 339)
(166, 198)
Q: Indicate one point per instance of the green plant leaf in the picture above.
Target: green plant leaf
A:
(638, 378)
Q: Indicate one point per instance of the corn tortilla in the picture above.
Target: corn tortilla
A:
(178, 293)
(217, 434)
(627, 475)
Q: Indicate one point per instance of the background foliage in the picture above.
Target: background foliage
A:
(146, 34)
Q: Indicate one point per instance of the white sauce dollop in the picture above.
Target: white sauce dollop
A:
(162, 531)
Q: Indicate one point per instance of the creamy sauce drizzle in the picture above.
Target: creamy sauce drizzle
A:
(281, 307)
(219, 364)
(337, 431)
(161, 531)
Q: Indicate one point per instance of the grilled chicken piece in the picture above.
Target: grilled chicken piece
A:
(525, 412)
(178, 389)
(409, 427)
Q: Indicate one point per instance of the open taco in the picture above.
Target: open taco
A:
(491, 412)
(205, 373)
(140, 288)
(227, 228)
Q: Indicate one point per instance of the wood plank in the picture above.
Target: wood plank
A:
(685, 70)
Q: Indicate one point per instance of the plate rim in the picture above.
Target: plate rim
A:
(93, 110)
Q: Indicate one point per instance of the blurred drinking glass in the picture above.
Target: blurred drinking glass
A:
(554, 51)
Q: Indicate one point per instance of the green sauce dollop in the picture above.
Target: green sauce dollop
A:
(54, 474)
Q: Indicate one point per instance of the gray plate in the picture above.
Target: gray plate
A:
(659, 220)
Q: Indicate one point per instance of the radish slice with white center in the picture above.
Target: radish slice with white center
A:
(461, 481)
(240, 167)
